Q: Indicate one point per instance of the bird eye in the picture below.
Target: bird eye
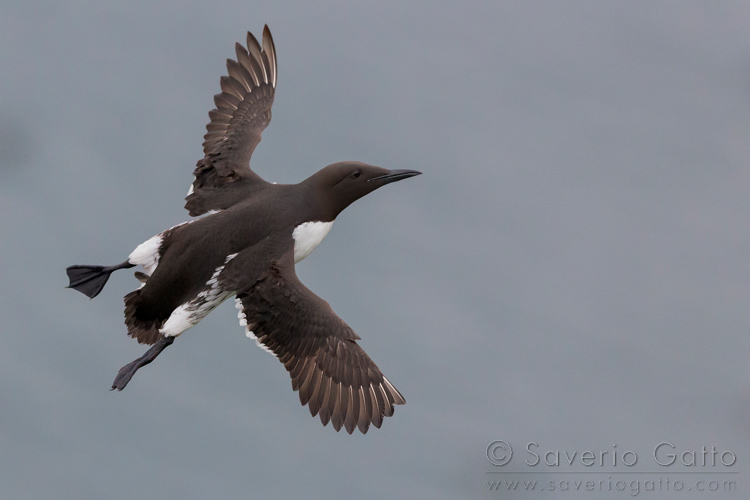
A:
(356, 174)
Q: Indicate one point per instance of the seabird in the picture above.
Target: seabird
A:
(246, 244)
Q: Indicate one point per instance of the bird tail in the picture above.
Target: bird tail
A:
(90, 280)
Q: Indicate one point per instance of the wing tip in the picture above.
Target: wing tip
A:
(331, 407)
(269, 48)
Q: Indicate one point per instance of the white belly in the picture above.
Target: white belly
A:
(307, 236)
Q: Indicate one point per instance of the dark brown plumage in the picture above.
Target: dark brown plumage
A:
(333, 375)
(246, 244)
(243, 111)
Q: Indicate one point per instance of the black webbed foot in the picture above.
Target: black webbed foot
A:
(127, 371)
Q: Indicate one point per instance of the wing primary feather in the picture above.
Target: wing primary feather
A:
(213, 135)
(216, 127)
(246, 62)
(217, 116)
(363, 422)
(305, 390)
(295, 374)
(325, 413)
(253, 64)
(294, 362)
(313, 402)
(367, 400)
(352, 413)
(225, 100)
(247, 76)
(223, 111)
(270, 49)
(380, 398)
(397, 397)
(266, 67)
(254, 50)
(227, 88)
(377, 412)
(355, 402)
(235, 73)
(388, 406)
(345, 405)
(340, 365)
(337, 418)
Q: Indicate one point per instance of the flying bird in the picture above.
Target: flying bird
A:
(246, 242)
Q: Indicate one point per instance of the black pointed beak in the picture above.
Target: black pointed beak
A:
(395, 175)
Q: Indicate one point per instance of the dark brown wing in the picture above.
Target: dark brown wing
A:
(333, 375)
(243, 110)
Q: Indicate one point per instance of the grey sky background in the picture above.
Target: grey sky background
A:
(571, 269)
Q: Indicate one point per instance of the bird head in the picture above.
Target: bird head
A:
(341, 184)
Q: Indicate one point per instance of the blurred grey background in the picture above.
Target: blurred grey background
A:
(571, 270)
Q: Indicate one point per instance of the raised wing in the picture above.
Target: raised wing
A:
(243, 110)
(333, 375)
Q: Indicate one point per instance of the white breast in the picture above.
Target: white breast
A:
(307, 236)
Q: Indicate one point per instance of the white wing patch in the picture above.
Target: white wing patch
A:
(248, 332)
(193, 311)
(307, 236)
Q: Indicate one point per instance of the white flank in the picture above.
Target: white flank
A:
(147, 254)
(307, 236)
(248, 332)
(193, 311)
(179, 321)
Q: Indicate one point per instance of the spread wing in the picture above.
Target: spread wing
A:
(333, 375)
(243, 110)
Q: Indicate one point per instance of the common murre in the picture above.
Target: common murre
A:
(251, 235)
